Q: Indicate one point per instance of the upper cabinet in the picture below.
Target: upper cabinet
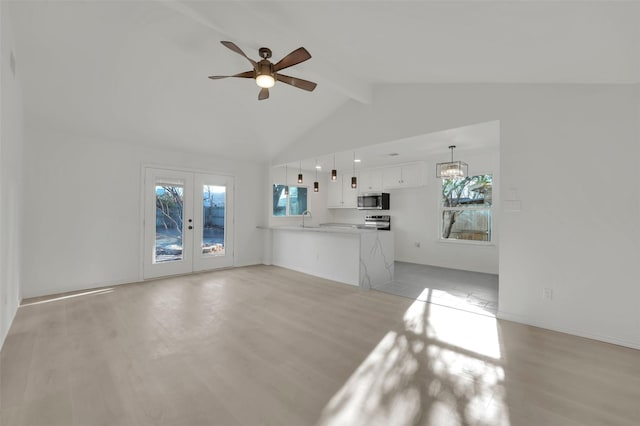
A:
(401, 176)
(370, 180)
(404, 176)
(340, 194)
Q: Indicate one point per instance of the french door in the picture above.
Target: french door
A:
(188, 222)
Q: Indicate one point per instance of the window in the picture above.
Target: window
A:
(466, 208)
(289, 205)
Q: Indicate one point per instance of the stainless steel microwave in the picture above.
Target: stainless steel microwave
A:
(374, 201)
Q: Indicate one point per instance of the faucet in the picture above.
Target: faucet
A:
(305, 213)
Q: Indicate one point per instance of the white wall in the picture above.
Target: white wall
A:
(416, 217)
(83, 208)
(568, 219)
(11, 177)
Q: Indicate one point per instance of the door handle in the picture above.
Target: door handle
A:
(190, 227)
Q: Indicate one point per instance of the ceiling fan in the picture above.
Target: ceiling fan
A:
(265, 73)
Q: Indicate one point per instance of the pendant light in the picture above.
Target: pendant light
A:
(316, 186)
(300, 173)
(452, 169)
(354, 179)
(286, 183)
(334, 172)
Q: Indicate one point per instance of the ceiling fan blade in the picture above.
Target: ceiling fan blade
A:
(297, 82)
(264, 94)
(299, 55)
(246, 74)
(231, 45)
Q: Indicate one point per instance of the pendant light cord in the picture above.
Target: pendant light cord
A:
(354, 163)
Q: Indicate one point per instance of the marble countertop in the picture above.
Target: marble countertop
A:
(333, 228)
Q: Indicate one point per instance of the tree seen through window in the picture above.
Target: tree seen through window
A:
(466, 208)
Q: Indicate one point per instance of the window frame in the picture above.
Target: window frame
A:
(469, 207)
(288, 202)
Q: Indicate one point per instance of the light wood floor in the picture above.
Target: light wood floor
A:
(267, 346)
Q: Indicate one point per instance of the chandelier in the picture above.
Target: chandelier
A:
(452, 169)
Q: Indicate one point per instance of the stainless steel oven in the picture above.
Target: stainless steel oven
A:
(379, 222)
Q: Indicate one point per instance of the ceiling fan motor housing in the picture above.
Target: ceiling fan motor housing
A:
(264, 52)
(264, 67)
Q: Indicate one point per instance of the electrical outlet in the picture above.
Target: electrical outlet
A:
(547, 293)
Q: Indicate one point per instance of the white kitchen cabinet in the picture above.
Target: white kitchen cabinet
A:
(403, 176)
(370, 180)
(340, 194)
(334, 193)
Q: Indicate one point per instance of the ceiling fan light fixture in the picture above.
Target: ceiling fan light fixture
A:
(266, 81)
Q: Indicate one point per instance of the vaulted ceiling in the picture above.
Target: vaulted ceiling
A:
(136, 71)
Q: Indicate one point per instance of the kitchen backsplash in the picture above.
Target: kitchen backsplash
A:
(348, 215)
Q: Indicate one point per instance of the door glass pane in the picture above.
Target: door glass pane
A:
(213, 205)
(169, 216)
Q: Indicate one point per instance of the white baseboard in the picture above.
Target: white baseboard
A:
(109, 283)
(633, 344)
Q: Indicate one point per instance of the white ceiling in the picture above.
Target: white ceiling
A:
(483, 137)
(136, 71)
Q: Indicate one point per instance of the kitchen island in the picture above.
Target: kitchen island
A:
(350, 255)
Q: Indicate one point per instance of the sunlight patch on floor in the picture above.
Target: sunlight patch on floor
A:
(71, 296)
(442, 367)
(456, 327)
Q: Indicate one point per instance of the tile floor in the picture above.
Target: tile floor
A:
(471, 291)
